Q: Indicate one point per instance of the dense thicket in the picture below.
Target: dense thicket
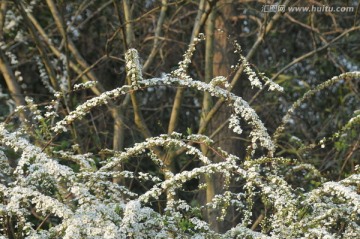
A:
(179, 119)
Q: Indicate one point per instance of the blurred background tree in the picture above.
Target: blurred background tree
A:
(49, 46)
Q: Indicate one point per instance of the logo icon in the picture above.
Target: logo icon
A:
(273, 8)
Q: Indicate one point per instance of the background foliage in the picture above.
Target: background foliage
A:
(96, 138)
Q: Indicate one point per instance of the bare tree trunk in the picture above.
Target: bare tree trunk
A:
(217, 63)
(223, 59)
(211, 213)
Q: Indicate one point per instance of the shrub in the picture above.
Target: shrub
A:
(59, 193)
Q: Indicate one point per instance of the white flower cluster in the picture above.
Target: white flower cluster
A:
(133, 67)
(85, 161)
(88, 205)
(253, 78)
(84, 108)
(13, 58)
(62, 73)
(241, 107)
(241, 231)
(85, 85)
(5, 169)
(259, 132)
(331, 203)
(272, 85)
(33, 109)
(162, 140)
(97, 215)
(12, 20)
(44, 76)
(181, 72)
(220, 81)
